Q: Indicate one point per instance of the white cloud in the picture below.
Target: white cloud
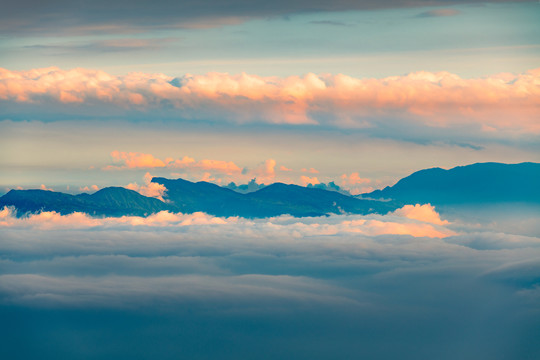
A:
(372, 225)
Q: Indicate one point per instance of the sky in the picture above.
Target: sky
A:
(359, 93)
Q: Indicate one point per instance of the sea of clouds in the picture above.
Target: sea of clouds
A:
(404, 285)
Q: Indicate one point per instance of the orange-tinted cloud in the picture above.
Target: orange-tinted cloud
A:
(88, 188)
(353, 183)
(331, 225)
(148, 188)
(377, 227)
(136, 160)
(133, 160)
(425, 213)
(265, 172)
(306, 180)
(501, 102)
(354, 179)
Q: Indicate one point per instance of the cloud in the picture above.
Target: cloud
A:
(88, 189)
(75, 260)
(105, 46)
(43, 187)
(53, 220)
(353, 179)
(305, 180)
(149, 188)
(351, 182)
(179, 281)
(438, 101)
(310, 170)
(133, 160)
(328, 22)
(265, 172)
(397, 223)
(58, 17)
(136, 160)
(425, 213)
(439, 13)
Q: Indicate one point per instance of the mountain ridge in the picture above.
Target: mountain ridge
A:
(480, 183)
(475, 183)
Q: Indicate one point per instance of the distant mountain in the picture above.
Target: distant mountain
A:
(302, 201)
(482, 183)
(111, 201)
(245, 188)
(486, 183)
(188, 197)
(273, 200)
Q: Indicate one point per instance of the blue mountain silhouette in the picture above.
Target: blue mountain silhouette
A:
(483, 183)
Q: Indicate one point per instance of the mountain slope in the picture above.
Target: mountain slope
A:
(301, 201)
(188, 197)
(481, 183)
(112, 201)
(273, 200)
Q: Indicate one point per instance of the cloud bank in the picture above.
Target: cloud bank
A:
(502, 103)
(427, 224)
(337, 285)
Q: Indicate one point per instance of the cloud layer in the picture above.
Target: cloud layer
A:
(340, 285)
(502, 103)
(84, 17)
(425, 222)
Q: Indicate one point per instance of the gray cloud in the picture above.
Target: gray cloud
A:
(83, 17)
(440, 13)
(249, 285)
(105, 46)
(329, 22)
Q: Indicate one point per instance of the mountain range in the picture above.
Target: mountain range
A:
(483, 183)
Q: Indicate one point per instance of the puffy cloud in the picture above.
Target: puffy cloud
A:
(351, 182)
(53, 220)
(501, 102)
(397, 223)
(265, 172)
(88, 189)
(353, 179)
(425, 213)
(47, 220)
(305, 180)
(183, 280)
(43, 187)
(225, 167)
(136, 160)
(149, 188)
